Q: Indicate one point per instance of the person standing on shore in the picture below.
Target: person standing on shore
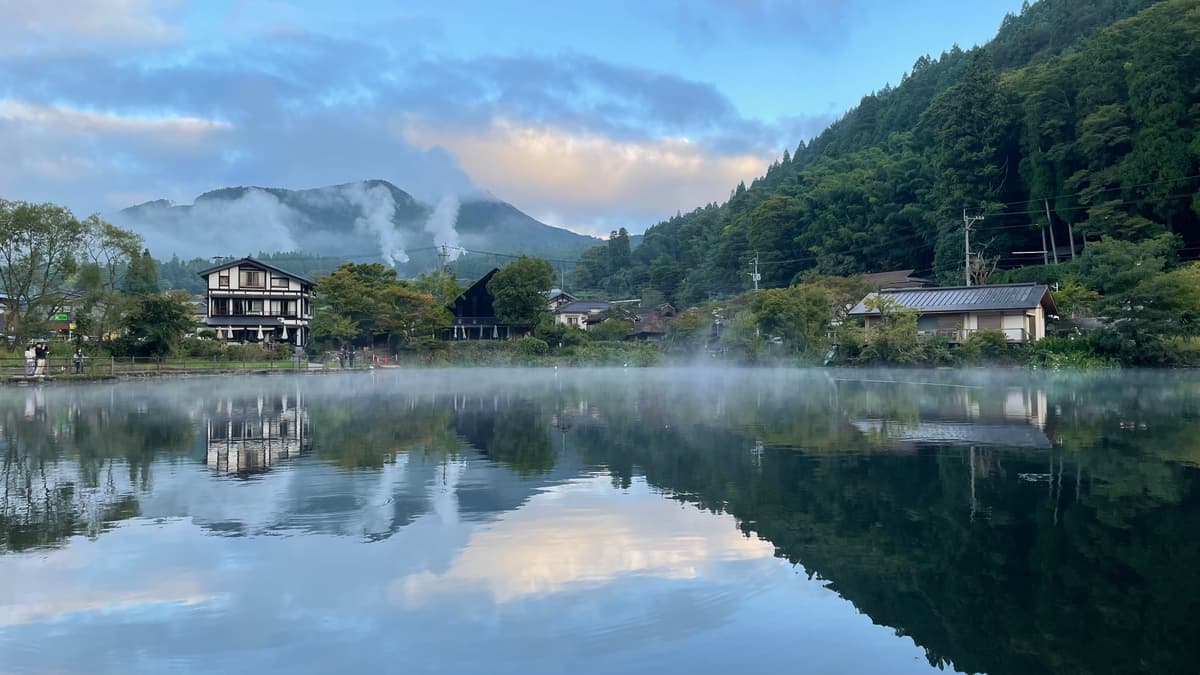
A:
(78, 359)
(30, 360)
(40, 355)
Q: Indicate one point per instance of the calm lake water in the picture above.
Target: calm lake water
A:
(601, 521)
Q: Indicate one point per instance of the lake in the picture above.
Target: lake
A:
(600, 521)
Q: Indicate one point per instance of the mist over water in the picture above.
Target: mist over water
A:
(631, 520)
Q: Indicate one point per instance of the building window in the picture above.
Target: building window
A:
(279, 282)
(252, 278)
(220, 307)
(223, 279)
(244, 307)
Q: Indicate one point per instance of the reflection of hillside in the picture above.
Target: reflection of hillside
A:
(250, 435)
(995, 560)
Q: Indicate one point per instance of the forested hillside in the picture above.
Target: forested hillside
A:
(1086, 109)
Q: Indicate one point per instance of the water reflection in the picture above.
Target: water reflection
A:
(251, 435)
(904, 413)
(992, 522)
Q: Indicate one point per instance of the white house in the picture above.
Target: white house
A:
(252, 301)
(578, 313)
(557, 297)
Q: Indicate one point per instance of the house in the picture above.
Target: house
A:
(253, 301)
(580, 313)
(895, 279)
(1017, 310)
(557, 297)
(475, 317)
(652, 324)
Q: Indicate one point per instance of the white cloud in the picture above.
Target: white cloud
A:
(70, 24)
(61, 120)
(55, 146)
(587, 175)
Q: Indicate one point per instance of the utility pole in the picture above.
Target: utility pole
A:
(967, 222)
(1071, 236)
(755, 276)
(1045, 253)
(1050, 224)
(444, 255)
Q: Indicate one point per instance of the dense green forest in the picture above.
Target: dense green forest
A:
(1086, 111)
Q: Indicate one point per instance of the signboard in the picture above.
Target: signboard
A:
(62, 316)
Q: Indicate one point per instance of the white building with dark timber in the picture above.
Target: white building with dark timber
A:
(249, 300)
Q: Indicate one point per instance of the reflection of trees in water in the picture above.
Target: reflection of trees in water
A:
(1000, 560)
(368, 432)
(64, 460)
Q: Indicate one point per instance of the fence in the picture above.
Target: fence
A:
(15, 365)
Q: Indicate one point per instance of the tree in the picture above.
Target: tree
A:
(689, 329)
(39, 245)
(518, 290)
(142, 275)
(799, 315)
(105, 255)
(361, 302)
(442, 285)
(892, 338)
(741, 336)
(155, 322)
(1166, 305)
(1074, 299)
(407, 313)
(1113, 266)
(352, 292)
(610, 329)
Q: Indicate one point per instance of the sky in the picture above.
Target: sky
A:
(589, 116)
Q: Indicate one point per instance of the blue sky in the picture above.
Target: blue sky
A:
(585, 115)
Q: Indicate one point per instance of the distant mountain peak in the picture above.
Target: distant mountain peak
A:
(347, 220)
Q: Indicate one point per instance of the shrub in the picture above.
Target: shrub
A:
(610, 330)
(531, 346)
(988, 345)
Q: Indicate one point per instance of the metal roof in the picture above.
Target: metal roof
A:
(254, 261)
(964, 299)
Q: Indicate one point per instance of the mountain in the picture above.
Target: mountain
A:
(1086, 110)
(367, 221)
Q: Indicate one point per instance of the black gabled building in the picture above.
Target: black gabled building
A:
(475, 316)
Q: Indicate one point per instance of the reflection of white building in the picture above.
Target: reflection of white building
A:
(999, 416)
(252, 434)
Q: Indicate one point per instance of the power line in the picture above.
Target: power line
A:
(1112, 189)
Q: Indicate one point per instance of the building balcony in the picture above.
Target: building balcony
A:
(958, 335)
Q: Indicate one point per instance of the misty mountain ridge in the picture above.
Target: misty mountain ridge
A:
(365, 221)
